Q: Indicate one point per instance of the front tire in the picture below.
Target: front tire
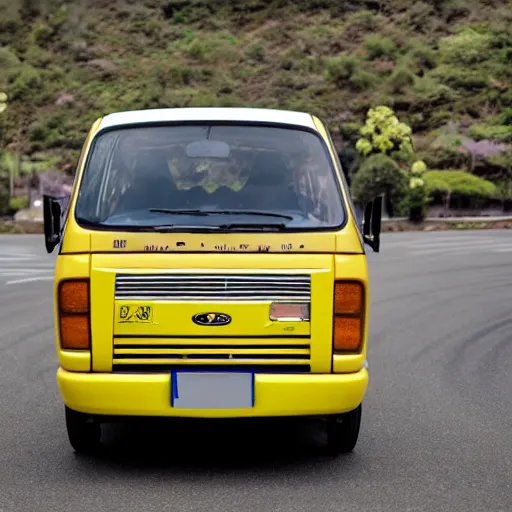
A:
(343, 431)
(84, 432)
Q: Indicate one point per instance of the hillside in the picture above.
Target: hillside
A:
(445, 66)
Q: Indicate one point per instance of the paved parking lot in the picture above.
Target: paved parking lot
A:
(437, 422)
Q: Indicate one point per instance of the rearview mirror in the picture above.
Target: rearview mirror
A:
(208, 149)
(52, 212)
(372, 223)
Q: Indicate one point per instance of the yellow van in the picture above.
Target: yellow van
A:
(211, 265)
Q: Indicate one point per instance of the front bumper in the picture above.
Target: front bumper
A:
(150, 395)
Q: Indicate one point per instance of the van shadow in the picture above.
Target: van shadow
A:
(204, 445)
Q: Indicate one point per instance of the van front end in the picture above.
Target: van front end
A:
(210, 266)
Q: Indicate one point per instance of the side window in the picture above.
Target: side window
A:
(356, 211)
(93, 187)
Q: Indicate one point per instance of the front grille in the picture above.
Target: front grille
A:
(214, 287)
(273, 356)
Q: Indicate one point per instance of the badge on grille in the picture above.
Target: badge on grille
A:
(211, 319)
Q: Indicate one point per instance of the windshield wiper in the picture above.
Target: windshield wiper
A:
(178, 212)
(183, 228)
(220, 212)
(278, 226)
(166, 228)
(109, 227)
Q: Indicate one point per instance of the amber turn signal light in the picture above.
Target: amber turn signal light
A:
(348, 298)
(74, 297)
(74, 332)
(347, 333)
(74, 315)
(348, 316)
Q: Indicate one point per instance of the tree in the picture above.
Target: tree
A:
(379, 174)
(417, 197)
(4, 177)
(384, 134)
(386, 146)
(503, 177)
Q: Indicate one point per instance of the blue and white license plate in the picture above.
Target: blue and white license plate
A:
(212, 390)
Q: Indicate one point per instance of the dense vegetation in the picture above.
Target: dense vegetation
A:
(444, 66)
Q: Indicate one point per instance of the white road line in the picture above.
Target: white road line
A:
(460, 247)
(30, 279)
(469, 241)
(41, 270)
(420, 244)
(458, 252)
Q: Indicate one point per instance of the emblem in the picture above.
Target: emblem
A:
(211, 319)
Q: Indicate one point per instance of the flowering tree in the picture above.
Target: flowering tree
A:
(4, 178)
(417, 194)
(385, 140)
(383, 133)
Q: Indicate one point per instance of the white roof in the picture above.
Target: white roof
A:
(209, 114)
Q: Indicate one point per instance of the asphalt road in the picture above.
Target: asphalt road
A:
(437, 421)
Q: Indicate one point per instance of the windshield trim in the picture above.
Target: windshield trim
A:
(284, 126)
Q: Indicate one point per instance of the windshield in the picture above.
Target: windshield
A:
(210, 176)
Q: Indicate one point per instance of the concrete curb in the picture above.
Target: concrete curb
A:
(450, 223)
(452, 219)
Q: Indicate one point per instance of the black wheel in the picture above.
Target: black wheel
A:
(342, 432)
(83, 431)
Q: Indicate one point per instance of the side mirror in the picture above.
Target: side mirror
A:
(52, 212)
(372, 223)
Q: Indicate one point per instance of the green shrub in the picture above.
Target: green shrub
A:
(341, 69)
(417, 199)
(362, 80)
(256, 52)
(27, 82)
(350, 131)
(378, 47)
(37, 57)
(198, 50)
(18, 203)
(429, 90)
(446, 158)
(364, 20)
(466, 48)
(420, 57)
(421, 15)
(501, 173)
(4, 196)
(401, 79)
(499, 133)
(459, 184)
(466, 79)
(8, 59)
(451, 10)
(505, 118)
(350, 160)
(379, 174)
(42, 34)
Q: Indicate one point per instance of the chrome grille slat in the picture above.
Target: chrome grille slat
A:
(150, 357)
(218, 277)
(214, 287)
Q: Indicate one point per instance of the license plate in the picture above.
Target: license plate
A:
(212, 390)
